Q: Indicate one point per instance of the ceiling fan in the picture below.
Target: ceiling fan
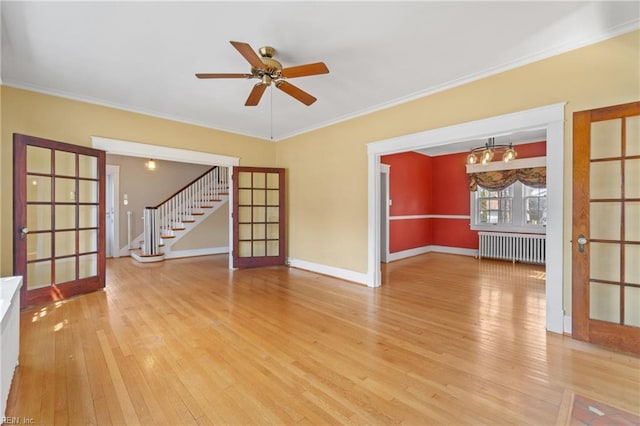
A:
(268, 71)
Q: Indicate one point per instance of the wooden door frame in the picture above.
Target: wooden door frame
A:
(584, 328)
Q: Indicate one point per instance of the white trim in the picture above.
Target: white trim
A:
(135, 149)
(432, 249)
(551, 118)
(430, 216)
(196, 252)
(567, 324)
(523, 163)
(114, 171)
(344, 274)
(385, 172)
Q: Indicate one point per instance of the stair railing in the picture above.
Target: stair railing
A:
(181, 206)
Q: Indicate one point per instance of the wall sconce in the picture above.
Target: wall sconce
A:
(150, 165)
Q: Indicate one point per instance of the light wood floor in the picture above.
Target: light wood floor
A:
(447, 340)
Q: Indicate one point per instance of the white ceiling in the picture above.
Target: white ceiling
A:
(142, 56)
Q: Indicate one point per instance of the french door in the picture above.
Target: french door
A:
(59, 219)
(258, 217)
(606, 226)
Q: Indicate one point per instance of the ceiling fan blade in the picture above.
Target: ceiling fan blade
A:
(296, 92)
(305, 70)
(249, 54)
(222, 75)
(256, 94)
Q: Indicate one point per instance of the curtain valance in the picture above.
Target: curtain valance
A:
(500, 179)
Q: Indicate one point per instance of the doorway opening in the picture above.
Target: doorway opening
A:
(548, 118)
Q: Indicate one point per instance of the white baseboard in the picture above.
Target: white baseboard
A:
(196, 252)
(567, 325)
(432, 248)
(343, 274)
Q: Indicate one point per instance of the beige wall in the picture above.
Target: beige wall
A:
(328, 199)
(75, 122)
(213, 232)
(148, 187)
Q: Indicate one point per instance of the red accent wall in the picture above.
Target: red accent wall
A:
(423, 185)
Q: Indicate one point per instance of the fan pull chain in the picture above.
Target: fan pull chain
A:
(271, 112)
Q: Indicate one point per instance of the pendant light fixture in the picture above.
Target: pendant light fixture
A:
(484, 154)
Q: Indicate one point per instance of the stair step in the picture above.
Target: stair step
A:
(178, 229)
(188, 221)
(168, 236)
(198, 214)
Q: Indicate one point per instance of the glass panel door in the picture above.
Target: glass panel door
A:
(57, 203)
(259, 217)
(606, 252)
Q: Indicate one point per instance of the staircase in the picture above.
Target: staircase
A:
(169, 221)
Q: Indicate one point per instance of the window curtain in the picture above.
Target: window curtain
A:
(500, 179)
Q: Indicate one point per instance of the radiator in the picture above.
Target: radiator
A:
(526, 248)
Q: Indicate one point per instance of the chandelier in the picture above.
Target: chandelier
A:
(484, 154)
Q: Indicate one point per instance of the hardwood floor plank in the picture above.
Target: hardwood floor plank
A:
(446, 340)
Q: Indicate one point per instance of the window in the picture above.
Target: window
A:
(517, 208)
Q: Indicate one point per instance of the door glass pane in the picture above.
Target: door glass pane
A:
(38, 217)
(65, 270)
(273, 180)
(65, 244)
(258, 214)
(244, 232)
(605, 261)
(65, 190)
(244, 180)
(88, 166)
(88, 265)
(605, 180)
(38, 160)
(605, 221)
(273, 231)
(273, 214)
(65, 216)
(273, 198)
(632, 306)
(244, 249)
(632, 221)
(244, 197)
(88, 240)
(273, 248)
(606, 138)
(604, 302)
(259, 249)
(39, 246)
(258, 197)
(632, 178)
(88, 191)
(65, 163)
(259, 232)
(633, 135)
(38, 274)
(88, 216)
(259, 180)
(244, 214)
(632, 264)
(38, 188)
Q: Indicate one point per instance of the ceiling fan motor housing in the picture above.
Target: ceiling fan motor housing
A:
(271, 66)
